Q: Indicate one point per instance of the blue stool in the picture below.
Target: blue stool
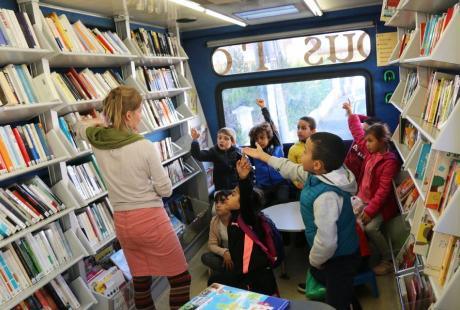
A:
(367, 277)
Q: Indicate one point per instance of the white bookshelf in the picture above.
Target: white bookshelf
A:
(15, 55)
(17, 173)
(72, 59)
(83, 294)
(80, 154)
(79, 106)
(165, 93)
(427, 6)
(22, 112)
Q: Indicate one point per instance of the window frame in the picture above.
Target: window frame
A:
(293, 68)
(294, 78)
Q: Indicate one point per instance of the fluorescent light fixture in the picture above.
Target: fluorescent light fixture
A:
(268, 12)
(313, 7)
(189, 4)
(224, 17)
(197, 7)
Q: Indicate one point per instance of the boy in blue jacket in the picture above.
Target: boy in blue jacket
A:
(275, 189)
(326, 212)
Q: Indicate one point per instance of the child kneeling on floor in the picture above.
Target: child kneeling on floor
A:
(251, 268)
(326, 211)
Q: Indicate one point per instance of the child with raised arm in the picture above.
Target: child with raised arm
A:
(380, 166)
(251, 268)
(268, 180)
(223, 155)
(326, 212)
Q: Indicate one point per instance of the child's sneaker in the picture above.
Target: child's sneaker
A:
(301, 287)
(383, 268)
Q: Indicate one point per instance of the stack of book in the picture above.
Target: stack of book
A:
(78, 38)
(408, 134)
(407, 194)
(25, 261)
(55, 295)
(443, 96)
(16, 30)
(388, 9)
(86, 179)
(158, 79)
(416, 292)
(17, 86)
(432, 30)
(406, 257)
(74, 86)
(159, 112)
(443, 257)
(106, 282)
(165, 148)
(409, 87)
(25, 203)
(152, 43)
(22, 147)
(96, 222)
(181, 208)
(178, 170)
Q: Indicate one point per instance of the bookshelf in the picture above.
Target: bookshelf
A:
(444, 55)
(42, 61)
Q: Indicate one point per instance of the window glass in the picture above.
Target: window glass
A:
(317, 50)
(321, 99)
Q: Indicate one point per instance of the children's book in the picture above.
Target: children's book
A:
(421, 165)
(118, 258)
(218, 296)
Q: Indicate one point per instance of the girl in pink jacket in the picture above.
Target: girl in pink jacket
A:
(380, 166)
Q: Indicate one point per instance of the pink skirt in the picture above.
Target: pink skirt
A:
(150, 245)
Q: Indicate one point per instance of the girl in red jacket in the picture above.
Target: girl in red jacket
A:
(380, 166)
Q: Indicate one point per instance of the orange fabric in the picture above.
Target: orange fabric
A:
(248, 245)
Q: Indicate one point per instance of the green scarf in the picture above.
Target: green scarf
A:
(110, 138)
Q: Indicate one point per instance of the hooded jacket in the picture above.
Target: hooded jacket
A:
(376, 189)
(355, 158)
(327, 209)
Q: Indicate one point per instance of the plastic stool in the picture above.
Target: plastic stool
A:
(367, 277)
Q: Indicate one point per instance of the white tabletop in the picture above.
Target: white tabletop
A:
(286, 216)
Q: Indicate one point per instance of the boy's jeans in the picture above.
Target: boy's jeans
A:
(337, 276)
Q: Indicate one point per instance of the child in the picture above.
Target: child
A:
(275, 188)
(326, 211)
(251, 267)
(380, 166)
(218, 259)
(223, 155)
(306, 126)
(354, 159)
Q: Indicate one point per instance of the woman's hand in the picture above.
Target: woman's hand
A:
(243, 167)
(228, 263)
(347, 107)
(257, 153)
(260, 102)
(93, 122)
(195, 134)
(365, 218)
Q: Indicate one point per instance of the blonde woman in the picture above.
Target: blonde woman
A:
(136, 182)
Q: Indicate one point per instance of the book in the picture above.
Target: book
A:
(422, 161)
(118, 258)
(217, 296)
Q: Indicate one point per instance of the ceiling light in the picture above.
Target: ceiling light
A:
(225, 17)
(314, 8)
(268, 12)
(189, 4)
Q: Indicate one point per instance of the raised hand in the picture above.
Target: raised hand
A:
(195, 134)
(257, 153)
(243, 167)
(347, 107)
(260, 102)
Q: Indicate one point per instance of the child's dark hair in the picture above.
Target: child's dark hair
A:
(372, 120)
(258, 130)
(379, 131)
(257, 201)
(310, 120)
(328, 148)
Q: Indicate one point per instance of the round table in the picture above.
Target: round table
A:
(308, 305)
(286, 216)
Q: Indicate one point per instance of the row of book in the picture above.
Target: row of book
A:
(67, 125)
(178, 170)
(158, 79)
(443, 96)
(409, 88)
(181, 208)
(87, 179)
(96, 222)
(152, 43)
(404, 40)
(76, 37)
(407, 194)
(54, 296)
(388, 9)
(431, 31)
(22, 147)
(27, 260)
(408, 134)
(165, 148)
(159, 112)
(26, 203)
(16, 30)
(416, 292)
(74, 86)
(17, 86)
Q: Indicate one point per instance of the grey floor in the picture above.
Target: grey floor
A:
(296, 268)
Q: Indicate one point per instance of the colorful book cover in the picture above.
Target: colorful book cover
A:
(439, 180)
(218, 296)
(421, 165)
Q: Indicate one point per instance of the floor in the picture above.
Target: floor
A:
(296, 269)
